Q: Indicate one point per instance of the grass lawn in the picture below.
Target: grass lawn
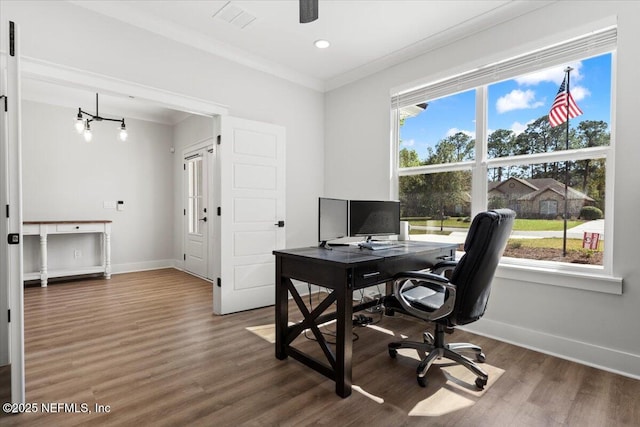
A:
(519, 224)
(551, 243)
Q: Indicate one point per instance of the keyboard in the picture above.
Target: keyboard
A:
(374, 246)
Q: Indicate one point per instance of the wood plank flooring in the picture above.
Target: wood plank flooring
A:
(148, 346)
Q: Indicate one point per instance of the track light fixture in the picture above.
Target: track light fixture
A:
(83, 124)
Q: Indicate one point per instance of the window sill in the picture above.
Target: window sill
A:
(596, 280)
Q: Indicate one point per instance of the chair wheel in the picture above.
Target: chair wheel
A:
(422, 381)
(480, 357)
(480, 383)
(393, 352)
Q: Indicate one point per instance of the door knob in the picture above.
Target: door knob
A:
(203, 219)
(279, 223)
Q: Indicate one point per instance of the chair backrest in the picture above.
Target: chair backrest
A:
(474, 273)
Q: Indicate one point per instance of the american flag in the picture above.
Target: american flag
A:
(558, 112)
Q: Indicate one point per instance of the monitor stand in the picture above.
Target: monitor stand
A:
(324, 245)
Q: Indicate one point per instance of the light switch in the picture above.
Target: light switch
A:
(120, 205)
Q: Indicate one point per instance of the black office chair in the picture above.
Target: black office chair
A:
(453, 293)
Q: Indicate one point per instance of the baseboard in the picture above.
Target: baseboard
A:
(611, 360)
(142, 266)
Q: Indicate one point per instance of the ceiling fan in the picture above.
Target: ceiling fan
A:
(308, 11)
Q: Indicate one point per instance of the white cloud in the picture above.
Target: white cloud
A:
(518, 127)
(453, 131)
(517, 100)
(579, 92)
(408, 143)
(555, 75)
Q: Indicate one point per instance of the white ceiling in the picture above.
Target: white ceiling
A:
(365, 35)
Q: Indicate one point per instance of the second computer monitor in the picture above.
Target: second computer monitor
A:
(374, 218)
(333, 219)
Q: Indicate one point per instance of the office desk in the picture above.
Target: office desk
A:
(343, 270)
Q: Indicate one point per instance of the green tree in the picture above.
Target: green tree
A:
(500, 144)
(592, 133)
(409, 158)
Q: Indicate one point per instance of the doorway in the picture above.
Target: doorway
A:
(70, 81)
(198, 211)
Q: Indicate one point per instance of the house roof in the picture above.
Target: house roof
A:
(539, 186)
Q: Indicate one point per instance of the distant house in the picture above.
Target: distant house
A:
(536, 198)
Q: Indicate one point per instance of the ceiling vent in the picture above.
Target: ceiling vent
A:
(234, 15)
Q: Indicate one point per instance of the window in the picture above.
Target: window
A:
(548, 208)
(194, 196)
(483, 140)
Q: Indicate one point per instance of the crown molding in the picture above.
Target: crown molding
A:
(492, 18)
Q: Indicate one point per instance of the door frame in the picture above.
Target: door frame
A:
(12, 171)
(206, 144)
(66, 76)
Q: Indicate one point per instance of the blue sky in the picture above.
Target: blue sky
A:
(513, 103)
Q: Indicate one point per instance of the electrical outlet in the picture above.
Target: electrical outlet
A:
(77, 254)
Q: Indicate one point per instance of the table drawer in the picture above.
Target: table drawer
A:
(30, 229)
(369, 275)
(79, 227)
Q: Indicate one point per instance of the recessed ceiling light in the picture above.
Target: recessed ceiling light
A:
(321, 44)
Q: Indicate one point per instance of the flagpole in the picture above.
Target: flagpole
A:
(566, 170)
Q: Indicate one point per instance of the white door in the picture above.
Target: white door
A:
(11, 288)
(197, 212)
(251, 168)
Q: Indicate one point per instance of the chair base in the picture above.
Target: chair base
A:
(437, 349)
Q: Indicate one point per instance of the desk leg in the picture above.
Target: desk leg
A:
(44, 275)
(282, 311)
(344, 339)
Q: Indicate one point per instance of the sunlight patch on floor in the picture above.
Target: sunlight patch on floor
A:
(440, 403)
(383, 330)
(360, 390)
(455, 389)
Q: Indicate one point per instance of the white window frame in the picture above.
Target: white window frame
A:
(595, 278)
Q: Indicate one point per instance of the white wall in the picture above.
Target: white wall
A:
(65, 178)
(65, 34)
(596, 328)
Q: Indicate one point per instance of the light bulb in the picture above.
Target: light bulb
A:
(87, 133)
(123, 132)
(79, 122)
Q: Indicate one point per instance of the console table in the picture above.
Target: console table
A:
(45, 228)
(342, 270)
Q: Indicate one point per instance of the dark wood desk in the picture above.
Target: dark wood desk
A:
(342, 269)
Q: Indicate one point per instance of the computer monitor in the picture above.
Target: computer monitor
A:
(333, 219)
(374, 218)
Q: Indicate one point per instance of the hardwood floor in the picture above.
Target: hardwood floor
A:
(148, 346)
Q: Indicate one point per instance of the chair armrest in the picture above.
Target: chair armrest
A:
(444, 266)
(432, 281)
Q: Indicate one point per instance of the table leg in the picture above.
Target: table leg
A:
(282, 312)
(344, 339)
(107, 255)
(44, 277)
